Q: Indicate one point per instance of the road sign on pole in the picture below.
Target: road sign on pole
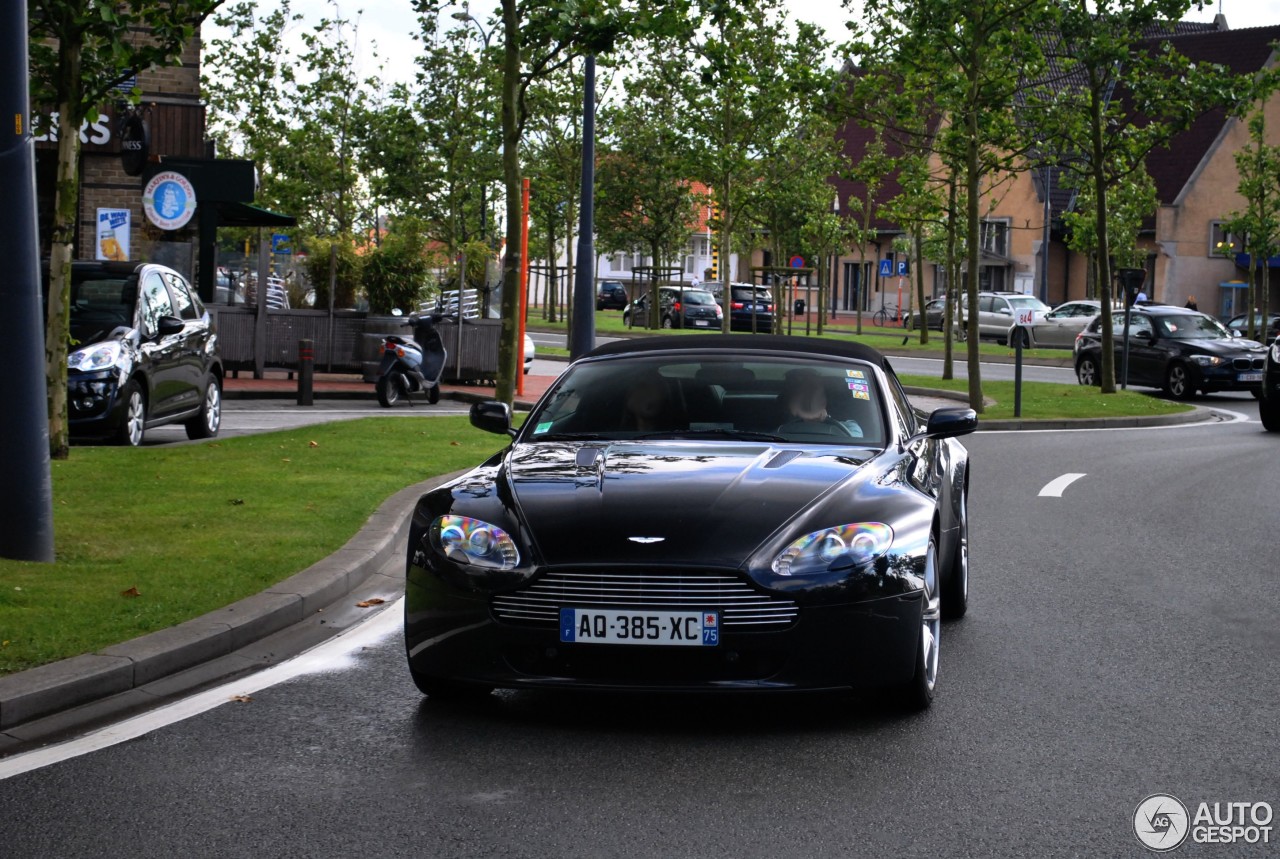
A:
(886, 268)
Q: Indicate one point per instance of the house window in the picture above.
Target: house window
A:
(995, 237)
(1221, 242)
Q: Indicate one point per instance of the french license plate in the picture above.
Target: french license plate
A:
(1249, 377)
(608, 626)
(704, 323)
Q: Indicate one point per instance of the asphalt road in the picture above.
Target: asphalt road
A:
(1121, 641)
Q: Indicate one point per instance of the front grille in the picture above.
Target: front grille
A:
(739, 604)
(1248, 363)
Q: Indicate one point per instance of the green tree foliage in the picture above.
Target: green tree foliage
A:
(1097, 51)
(80, 50)
(969, 60)
(396, 272)
(1258, 223)
(643, 198)
(334, 258)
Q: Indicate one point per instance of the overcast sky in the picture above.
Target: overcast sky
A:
(391, 23)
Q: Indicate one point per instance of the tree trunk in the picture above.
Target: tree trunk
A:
(972, 183)
(66, 205)
(1107, 368)
(507, 351)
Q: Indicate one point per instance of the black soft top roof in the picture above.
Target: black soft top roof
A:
(741, 345)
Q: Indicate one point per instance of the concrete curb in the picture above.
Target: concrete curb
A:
(89, 680)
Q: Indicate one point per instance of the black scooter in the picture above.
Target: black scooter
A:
(412, 366)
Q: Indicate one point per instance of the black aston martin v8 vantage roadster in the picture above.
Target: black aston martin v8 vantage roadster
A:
(711, 512)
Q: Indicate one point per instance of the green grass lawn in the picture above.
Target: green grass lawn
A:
(196, 527)
(193, 528)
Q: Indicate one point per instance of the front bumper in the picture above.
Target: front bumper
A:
(94, 406)
(1227, 378)
(455, 635)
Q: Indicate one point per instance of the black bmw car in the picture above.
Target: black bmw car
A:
(143, 353)
(698, 513)
(1181, 351)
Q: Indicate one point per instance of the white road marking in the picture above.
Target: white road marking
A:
(1054, 488)
(336, 654)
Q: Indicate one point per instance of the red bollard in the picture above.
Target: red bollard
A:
(306, 370)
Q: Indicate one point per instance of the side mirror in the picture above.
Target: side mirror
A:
(1142, 334)
(491, 416)
(1236, 332)
(947, 423)
(1004, 311)
(169, 326)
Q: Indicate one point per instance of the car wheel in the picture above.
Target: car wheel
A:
(134, 424)
(918, 693)
(626, 320)
(668, 322)
(955, 577)
(205, 424)
(911, 323)
(433, 394)
(1177, 382)
(388, 388)
(449, 690)
(1020, 338)
(1269, 413)
(1087, 371)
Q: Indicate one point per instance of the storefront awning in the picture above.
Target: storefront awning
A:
(246, 215)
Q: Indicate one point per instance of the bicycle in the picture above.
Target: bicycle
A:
(881, 316)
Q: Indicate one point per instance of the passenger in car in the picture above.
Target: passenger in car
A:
(648, 405)
(805, 400)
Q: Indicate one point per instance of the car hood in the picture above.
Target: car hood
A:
(1225, 348)
(667, 502)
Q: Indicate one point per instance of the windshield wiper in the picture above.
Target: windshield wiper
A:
(744, 435)
(567, 436)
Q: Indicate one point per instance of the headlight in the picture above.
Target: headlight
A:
(99, 356)
(834, 548)
(1275, 351)
(464, 540)
(1208, 360)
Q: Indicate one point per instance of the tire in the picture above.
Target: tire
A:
(1020, 335)
(668, 322)
(206, 424)
(1269, 413)
(1177, 382)
(134, 425)
(1087, 371)
(954, 579)
(917, 694)
(433, 394)
(388, 388)
(448, 690)
(879, 317)
(959, 333)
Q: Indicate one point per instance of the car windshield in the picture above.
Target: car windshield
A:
(1028, 301)
(777, 400)
(691, 297)
(99, 305)
(1192, 327)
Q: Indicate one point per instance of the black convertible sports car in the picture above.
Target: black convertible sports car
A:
(698, 513)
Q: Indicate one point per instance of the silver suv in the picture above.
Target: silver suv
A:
(998, 312)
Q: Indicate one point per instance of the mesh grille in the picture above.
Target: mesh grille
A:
(740, 605)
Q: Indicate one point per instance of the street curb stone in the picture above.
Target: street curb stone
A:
(87, 681)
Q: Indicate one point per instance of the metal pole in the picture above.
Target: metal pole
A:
(583, 333)
(306, 371)
(462, 282)
(26, 507)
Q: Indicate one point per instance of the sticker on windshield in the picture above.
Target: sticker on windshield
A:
(855, 374)
(542, 427)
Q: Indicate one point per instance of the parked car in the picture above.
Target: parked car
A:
(998, 311)
(143, 353)
(1179, 350)
(750, 307)
(1241, 323)
(1269, 402)
(611, 295)
(680, 308)
(831, 532)
(935, 312)
(1059, 326)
